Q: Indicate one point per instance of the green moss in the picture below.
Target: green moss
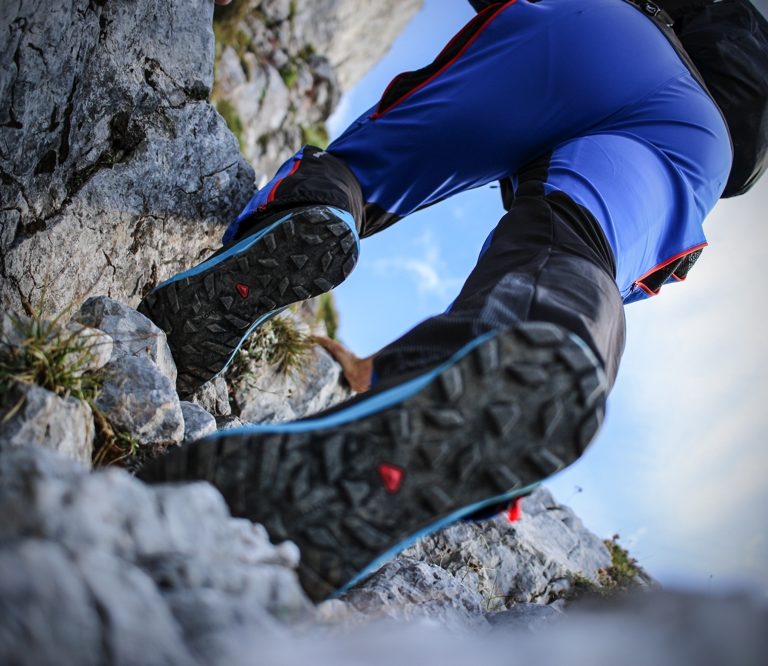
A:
(622, 576)
(233, 120)
(306, 52)
(290, 74)
(328, 314)
(624, 571)
(315, 135)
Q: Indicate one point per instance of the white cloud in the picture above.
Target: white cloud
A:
(425, 267)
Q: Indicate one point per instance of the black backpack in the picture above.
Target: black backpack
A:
(727, 40)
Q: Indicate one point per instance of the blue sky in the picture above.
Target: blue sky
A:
(678, 469)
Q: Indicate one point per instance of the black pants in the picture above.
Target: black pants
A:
(548, 261)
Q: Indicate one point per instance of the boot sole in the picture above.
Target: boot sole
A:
(209, 311)
(355, 487)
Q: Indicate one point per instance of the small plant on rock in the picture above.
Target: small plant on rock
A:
(37, 351)
(328, 314)
(41, 352)
(278, 343)
(622, 576)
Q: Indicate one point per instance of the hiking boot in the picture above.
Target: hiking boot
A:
(357, 484)
(208, 311)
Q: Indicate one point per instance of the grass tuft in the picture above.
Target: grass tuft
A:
(328, 314)
(279, 344)
(624, 572)
(38, 351)
(622, 576)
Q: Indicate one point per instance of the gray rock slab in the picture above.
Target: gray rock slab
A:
(197, 422)
(131, 332)
(532, 617)
(138, 628)
(166, 570)
(44, 419)
(139, 399)
(664, 630)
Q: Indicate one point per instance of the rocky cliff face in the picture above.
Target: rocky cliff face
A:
(282, 66)
(115, 169)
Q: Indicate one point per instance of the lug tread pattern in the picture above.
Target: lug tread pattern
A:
(474, 432)
(205, 317)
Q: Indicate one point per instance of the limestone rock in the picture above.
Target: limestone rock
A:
(287, 64)
(529, 561)
(229, 422)
(47, 615)
(131, 332)
(197, 422)
(45, 419)
(532, 617)
(150, 574)
(354, 34)
(140, 400)
(123, 593)
(407, 588)
(213, 397)
(268, 396)
(115, 171)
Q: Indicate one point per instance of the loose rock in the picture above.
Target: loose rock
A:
(213, 397)
(45, 419)
(197, 422)
(141, 401)
(131, 332)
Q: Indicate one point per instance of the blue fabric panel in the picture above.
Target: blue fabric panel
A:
(635, 139)
(260, 198)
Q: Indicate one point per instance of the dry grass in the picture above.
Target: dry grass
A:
(41, 352)
(279, 344)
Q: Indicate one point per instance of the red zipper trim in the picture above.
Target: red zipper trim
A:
(273, 191)
(494, 11)
(679, 255)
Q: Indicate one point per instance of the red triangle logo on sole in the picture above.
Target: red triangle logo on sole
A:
(243, 289)
(391, 476)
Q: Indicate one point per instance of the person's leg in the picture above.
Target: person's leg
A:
(539, 325)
